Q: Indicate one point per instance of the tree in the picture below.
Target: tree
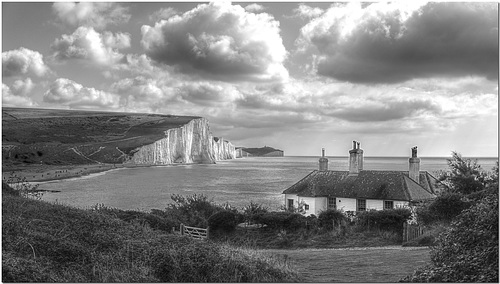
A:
(465, 175)
(468, 250)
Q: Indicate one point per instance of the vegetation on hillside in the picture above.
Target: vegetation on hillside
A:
(61, 137)
(466, 217)
(45, 242)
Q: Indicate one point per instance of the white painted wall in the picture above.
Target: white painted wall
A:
(294, 197)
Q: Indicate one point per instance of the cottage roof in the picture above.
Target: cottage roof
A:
(388, 185)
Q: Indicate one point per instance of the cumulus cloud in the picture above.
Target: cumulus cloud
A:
(394, 42)
(69, 93)
(306, 12)
(207, 93)
(254, 8)
(23, 61)
(17, 94)
(163, 14)
(97, 15)
(221, 41)
(86, 43)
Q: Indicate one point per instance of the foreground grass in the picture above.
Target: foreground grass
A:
(356, 265)
(45, 242)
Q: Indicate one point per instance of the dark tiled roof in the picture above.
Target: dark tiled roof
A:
(388, 185)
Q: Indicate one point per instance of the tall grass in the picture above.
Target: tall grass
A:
(45, 242)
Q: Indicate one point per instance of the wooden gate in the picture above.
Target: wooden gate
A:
(195, 233)
(411, 232)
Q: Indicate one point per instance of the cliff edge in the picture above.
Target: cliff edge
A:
(36, 137)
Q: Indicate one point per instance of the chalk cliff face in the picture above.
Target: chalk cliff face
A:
(190, 143)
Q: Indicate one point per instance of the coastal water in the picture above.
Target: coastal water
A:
(236, 181)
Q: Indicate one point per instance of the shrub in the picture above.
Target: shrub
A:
(223, 220)
(442, 209)
(465, 175)
(193, 210)
(391, 220)
(281, 220)
(330, 218)
(252, 209)
(468, 250)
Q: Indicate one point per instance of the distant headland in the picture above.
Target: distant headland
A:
(259, 152)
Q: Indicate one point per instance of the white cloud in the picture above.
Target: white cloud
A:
(97, 15)
(219, 41)
(16, 96)
(69, 93)
(254, 8)
(163, 14)
(23, 61)
(307, 12)
(86, 43)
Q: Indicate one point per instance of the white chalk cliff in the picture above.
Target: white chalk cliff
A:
(190, 143)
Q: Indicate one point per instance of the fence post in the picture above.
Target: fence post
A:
(182, 229)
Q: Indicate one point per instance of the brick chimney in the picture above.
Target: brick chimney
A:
(323, 161)
(414, 170)
(355, 159)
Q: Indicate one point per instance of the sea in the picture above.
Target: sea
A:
(236, 182)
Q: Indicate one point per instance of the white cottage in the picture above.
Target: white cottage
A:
(360, 190)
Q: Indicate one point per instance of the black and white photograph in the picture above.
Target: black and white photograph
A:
(310, 142)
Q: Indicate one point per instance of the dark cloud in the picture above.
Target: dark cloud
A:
(385, 111)
(385, 45)
(221, 41)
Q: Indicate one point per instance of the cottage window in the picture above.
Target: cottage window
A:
(306, 206)
(290, 204)
(388, 205)
(332, 203)
(360, 204)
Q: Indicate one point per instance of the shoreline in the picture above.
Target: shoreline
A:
(47, 173)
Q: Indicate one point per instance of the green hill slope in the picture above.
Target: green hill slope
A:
(45, 242)
(55, 137)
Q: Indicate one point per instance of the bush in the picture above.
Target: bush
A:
(252, 209)
(223, 220)
(193, 210)
(330, 218)
(390, 220)
(468, 250)
(281, 220)
(442, 209)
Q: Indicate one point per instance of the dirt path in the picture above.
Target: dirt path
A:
(359, 265)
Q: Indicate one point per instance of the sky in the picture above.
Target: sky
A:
(295, 76)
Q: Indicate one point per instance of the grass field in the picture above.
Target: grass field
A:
(355, 265)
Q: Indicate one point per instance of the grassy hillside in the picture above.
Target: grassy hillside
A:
(62, 137)
(44, 242)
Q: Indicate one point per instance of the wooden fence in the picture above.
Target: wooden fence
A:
(411, 232)
(193, 232)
